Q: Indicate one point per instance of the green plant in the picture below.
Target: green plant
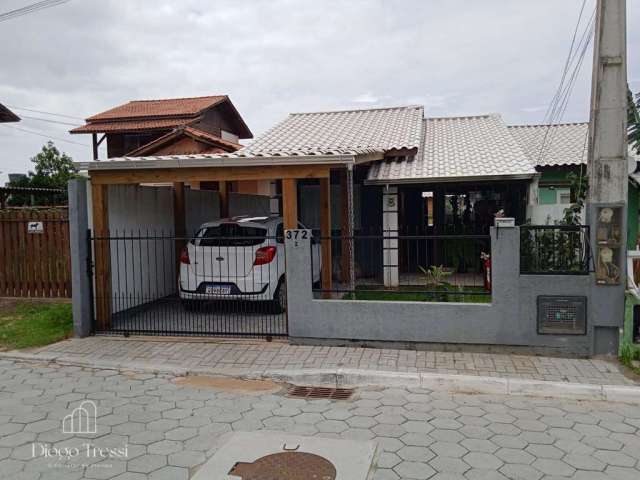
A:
(435, 274)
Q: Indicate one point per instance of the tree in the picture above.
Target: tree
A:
(633, 121)
(52, 170)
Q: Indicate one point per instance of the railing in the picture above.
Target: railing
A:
(554, 250)
(391, 267)
(161, 284)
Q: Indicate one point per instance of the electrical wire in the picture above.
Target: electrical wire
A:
(46, 113)
(43, 135)
(34, 7)
(575, 57)
(58, 122)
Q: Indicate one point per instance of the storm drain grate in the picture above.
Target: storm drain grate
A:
(320, 392)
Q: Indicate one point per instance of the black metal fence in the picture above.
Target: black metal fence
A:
(388, 266)
(218, 283)
(554, 250)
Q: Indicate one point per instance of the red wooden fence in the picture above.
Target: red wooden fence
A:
(34, 253)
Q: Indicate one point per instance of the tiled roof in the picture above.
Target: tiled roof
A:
(458, 148)
(342, 132)
(218, 145)
(564, 144)
(132, 125)
(159, 108)
(7, 115)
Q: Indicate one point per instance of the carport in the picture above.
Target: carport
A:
(178, 171)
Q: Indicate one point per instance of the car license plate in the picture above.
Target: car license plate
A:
(218, 289)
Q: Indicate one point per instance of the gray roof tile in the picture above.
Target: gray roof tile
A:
(341, 132)
(459, 147)
(564, 144)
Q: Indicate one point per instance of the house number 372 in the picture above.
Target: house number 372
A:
(296, 235)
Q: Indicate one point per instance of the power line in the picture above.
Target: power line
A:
(44, 135)
(46, 113)
(558, 105)
(49, 120)
(34, 7)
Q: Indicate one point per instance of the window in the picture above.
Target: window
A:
(564, 197)
(231, 235)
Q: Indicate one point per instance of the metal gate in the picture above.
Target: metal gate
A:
(219, 283)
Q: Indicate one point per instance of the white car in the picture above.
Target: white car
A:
(239, 258)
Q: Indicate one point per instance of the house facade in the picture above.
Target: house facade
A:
(169, 126)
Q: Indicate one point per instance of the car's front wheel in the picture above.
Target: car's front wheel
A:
(280, 297)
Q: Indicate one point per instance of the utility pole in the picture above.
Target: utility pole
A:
(608, 174)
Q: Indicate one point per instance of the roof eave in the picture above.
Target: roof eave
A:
(479, 178)
(190, 161)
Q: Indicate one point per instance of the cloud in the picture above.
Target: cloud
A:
(279, 56)
(366, 98)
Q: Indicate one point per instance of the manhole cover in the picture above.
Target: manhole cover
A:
(286, 466)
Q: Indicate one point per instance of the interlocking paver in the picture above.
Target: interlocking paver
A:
(420, 434)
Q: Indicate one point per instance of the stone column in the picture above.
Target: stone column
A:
(390, 233)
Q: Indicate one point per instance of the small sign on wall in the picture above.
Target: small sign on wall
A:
(35, 227)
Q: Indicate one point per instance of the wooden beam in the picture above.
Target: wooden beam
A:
(223, 192)
(165, 175)
(102, 256)
(325, 234)
(94, 142)
(179, 219)
(290, 203)
(345, 225)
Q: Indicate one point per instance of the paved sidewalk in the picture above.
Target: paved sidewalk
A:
(154, 427)
(256, 357)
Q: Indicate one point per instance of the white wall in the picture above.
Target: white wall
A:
(548, 214)
(141, 270)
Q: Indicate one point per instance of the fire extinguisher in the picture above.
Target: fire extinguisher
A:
(486, 262)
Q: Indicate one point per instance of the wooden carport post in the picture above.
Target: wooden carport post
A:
(102, 255)
(179, 219)
(325, 235)
(290, 203)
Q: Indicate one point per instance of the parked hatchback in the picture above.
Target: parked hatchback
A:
(240, 258)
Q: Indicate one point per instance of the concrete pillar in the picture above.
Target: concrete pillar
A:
(79, 245)
(390, 245)
(608, 173)
(532, 197)
(299, 282)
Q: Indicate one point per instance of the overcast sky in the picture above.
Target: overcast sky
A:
(273, 57)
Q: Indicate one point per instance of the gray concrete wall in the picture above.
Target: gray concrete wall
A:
(78, 243)
(510, 319)
(249, 204)
(201, 206)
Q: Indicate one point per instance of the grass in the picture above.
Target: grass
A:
(627, 355)
(26, 323)
(442, 293)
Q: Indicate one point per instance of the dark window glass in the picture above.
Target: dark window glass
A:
(231, 235)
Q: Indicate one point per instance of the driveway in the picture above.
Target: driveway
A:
(159, 427)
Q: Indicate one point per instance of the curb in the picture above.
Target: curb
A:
(341, 377)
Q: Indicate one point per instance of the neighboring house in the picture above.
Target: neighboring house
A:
(168, 127)
(7, 115)
(555, 151)
(174, 126)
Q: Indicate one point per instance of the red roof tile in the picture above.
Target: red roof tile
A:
(131, 125)
(169, 107)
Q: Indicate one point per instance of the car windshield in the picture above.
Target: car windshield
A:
(231, 235)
